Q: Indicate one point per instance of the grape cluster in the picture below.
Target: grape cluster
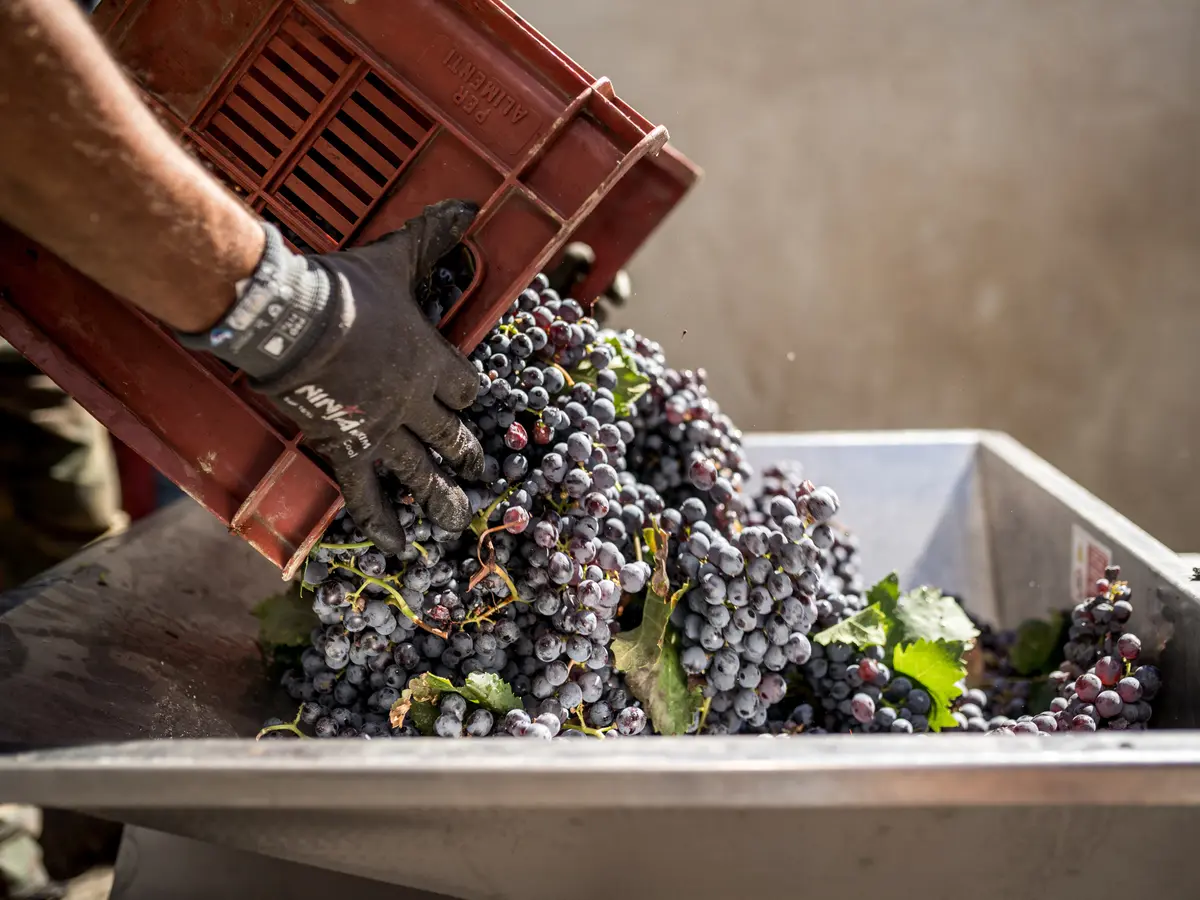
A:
(852, 691)
(751, 600)
(1100, 684)
(683, 442)
(535, 598)
(441, 291)
(558, 561)
(841, 592)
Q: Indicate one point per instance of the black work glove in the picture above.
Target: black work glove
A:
(339, 343)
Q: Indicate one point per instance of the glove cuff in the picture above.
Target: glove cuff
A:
(280, 312)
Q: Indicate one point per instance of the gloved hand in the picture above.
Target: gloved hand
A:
(339, 343)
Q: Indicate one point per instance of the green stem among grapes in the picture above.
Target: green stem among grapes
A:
(479, 524)
(338, 548)
(292, 726)
(704, 714)
(397, 599)
(584, 727)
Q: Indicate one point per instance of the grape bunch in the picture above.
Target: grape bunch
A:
(573, 474)
(841, 592)
(751, 601)
(587, 483)
(533, 599)
(1101, 685)
(441, 291)
(683, 442)
(853, 691)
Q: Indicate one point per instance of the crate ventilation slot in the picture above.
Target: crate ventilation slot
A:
(279, 92)
(354, 157)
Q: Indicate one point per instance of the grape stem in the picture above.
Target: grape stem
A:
(487, 616)
(704, 714)
(583, 727)
(479, 523)
(360, 545)
(400, 602)
(486, 569)
(565, 374)
(292, 726)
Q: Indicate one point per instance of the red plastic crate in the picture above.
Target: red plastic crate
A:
(339, 121)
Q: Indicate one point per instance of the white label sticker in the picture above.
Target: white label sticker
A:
(1089, 559)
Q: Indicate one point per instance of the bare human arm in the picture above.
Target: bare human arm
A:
(88, 172)
(337, 340)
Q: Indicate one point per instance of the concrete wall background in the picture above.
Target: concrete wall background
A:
(954, 214)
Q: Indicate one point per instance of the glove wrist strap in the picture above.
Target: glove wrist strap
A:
(279, 314)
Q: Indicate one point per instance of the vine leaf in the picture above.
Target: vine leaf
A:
(925, 613)
(649, 653)
(670, 704)
(284, 620)
(641, 647)
(939, 668)
(631, 382)
(419, 700)
(866, 628)
(1037, 644)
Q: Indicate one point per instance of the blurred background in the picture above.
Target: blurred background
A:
(931, 214)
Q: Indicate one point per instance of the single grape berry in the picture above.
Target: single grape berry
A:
(1046, 722)
(1109, 704)
(1109, 670)
(516, 519)
(515, 438)
(1129, 689)
(631, 720)
(863, 708)
(1088, 687)
(1150, 680)
(703, 474)
(1129, 646)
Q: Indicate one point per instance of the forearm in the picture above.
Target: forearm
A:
(87, 171)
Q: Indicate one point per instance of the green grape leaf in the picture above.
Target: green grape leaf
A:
(640, 647)
(284, 620)
(423, 716)
(927, 614)
(423, 693)
(649, 653)
(663, 689)
(939, 668)
(1042, 694)
(866, 628)
(631, 383)
(490, 691)
(1037, 644)
(884, 593)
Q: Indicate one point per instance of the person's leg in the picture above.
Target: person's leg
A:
(59, 490)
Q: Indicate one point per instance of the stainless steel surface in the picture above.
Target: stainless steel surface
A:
(153, 865)
(148, 634)
(973, 512)
(1015, 853)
